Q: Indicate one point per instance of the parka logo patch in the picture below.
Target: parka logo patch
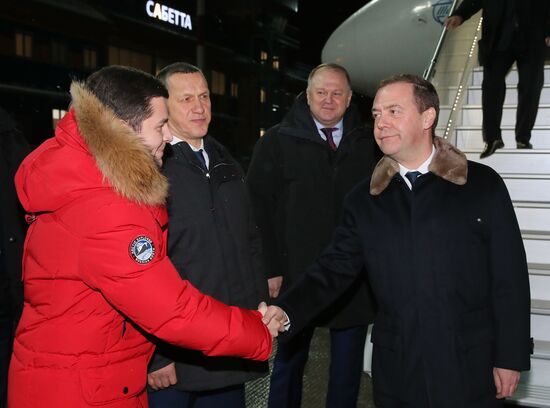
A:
(142, 249)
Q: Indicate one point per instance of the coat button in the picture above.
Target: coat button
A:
(11, 240)
(125, 390)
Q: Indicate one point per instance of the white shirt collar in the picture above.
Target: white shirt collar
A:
(176, 139)
(339, 126)
(423, 168)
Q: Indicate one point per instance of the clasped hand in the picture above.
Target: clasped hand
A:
(273, 317)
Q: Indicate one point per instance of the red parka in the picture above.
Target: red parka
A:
(98, 285)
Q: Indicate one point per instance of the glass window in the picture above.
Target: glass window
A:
(234, 89)
(57, 115)
(276, 63)
(89, 58)
(23, 45)
(263, 95)
(218, 83)
(59, 53)
(122, 56)
(263, 56)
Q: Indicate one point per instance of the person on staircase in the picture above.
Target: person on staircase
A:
(512, 31)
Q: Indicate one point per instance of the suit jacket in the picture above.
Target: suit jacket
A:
(533, 23)
(447, 267)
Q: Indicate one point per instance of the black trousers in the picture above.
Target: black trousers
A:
(530, 66)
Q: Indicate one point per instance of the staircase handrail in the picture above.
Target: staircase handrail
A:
(428, 73)
(462, 86)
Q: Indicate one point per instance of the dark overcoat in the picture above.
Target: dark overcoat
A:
(13, 149)
(297, 185)
(448, 269)
(214, 243)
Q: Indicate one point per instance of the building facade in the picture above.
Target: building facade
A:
(248, 50)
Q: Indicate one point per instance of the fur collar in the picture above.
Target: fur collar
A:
(448, 162)
(120, 156)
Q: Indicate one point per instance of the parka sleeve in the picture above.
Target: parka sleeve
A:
(123, 257)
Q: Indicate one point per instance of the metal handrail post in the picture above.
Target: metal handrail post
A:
(428, 73)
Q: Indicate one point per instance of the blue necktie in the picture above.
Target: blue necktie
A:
(412, 176)
(200, 156)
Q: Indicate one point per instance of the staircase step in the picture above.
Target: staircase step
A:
(511, 98)
(540, 326)
(540, 286)
(528, 189)
(471, 137)
(471, 115)
(533, 217)
(531, 395)
(511, 78)
(534, 386)
(542, 350)
(473, 96)
(537, 248)
(540, 307)
(532, 234)
(540, 320)
(514, 161)
(539, 269)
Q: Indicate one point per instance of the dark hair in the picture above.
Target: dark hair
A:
(332, 67)
(176, 68)
(425, 95)
(127, 91)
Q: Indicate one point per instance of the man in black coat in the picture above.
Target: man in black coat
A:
(512, 31)
(444, 256)
(13, 149)
(300, 171)
(213, 242)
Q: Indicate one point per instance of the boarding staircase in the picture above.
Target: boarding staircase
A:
(527, 177)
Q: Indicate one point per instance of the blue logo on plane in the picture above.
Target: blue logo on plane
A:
(440, 10)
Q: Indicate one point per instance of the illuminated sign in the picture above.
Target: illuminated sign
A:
(168, 14)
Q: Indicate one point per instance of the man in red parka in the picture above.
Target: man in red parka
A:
(98, 285)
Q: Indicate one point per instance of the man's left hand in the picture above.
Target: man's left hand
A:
(506, 381)
(163, 377)
(547, 41)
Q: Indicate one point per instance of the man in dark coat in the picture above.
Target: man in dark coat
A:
(13, 149)
(298, 178)
(213, 242)
(444, 256)
(512, 30)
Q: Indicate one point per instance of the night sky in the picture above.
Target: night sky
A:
(318, 20)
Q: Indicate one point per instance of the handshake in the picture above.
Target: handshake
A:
(274, 318)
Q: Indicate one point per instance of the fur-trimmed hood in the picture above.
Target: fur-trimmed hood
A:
(92, 149)
(118, 152)
(448, 162)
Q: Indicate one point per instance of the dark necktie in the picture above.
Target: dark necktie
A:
(200, 156)
(412, 176)
(328, 133)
